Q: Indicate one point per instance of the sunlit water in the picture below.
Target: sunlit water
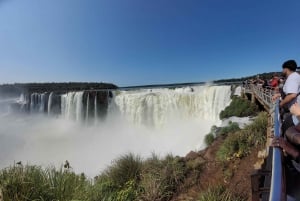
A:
(143, 122)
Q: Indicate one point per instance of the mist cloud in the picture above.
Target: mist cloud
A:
(42, 140)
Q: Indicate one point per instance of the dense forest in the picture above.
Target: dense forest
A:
(10, 90)
(262, 76)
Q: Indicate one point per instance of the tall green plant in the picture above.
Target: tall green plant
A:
(239, 143)
(120, 181)
(160, 178)
(34, 183)
(219, 193)
(239, 107)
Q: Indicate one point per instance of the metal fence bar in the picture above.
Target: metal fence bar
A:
(276, 190)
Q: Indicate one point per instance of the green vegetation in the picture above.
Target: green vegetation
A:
(230, 128)
(263, 76)
(127, 179)
(34, 183)
(238, 144)
(223, 131)
(209, 139)
(17, 88)
(219, 193)
(239, 107)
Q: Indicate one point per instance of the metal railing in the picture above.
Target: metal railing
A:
(277, 191)
(264, 94)
(277, 188)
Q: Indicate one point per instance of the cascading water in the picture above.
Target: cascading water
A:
(43, 102)
(50, 103)
(87, 108)
(96, 109)
(157, 107)
(147, 107)
(139, 121)
(72, 105)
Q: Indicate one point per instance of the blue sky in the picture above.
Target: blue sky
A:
(136, 42)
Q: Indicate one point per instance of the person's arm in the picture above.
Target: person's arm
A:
(288, 98)
(276, 96)
(295, 110)
(287, 147)
(293, 134)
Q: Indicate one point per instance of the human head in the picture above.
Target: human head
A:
(288, 67)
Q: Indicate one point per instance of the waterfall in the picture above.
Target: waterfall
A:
(87, 108)
(50, 103)
(157, 107)
(147, 107)
(32, 102)
(72, 105)
(43, 102)
(140, 121)
(79, 105)
(95, 109)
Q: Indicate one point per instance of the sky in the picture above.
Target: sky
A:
(138, 42)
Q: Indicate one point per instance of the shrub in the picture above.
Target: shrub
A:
(120, 181)
(239, 107)
(104, 189)
(124, 169)
(220, 193)
(258, 129)
(239, 143)
(230, 128)
(160, 178)
(209, 139)
(34, 183)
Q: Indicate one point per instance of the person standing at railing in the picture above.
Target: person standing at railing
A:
(291, 89)
(274, 82)
(290, 144)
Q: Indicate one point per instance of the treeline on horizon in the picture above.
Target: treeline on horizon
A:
(8, 90)
(262, 76)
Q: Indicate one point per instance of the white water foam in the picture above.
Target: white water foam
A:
(142, 122)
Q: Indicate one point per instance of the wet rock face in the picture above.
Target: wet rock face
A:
(96, 103)
(84, 105)
(54, 105)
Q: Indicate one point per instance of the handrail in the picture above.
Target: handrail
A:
(276, 191)
(265, 94)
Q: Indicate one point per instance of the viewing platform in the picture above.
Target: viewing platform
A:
(268, 182)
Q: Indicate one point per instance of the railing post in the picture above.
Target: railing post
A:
(277, 191)
(277, 187)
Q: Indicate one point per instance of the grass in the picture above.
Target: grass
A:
(34, 183)
(238, 144)
(219, 193)
(128, 178)
(223, 131)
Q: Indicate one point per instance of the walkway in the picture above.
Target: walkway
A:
(268, 184)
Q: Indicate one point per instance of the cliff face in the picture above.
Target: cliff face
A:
(234, 175)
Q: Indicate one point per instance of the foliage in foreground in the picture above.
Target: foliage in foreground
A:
(239, 107)
(127, 179)
(239, 143)
(34, 183)
(219, 193)
(223, 131)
